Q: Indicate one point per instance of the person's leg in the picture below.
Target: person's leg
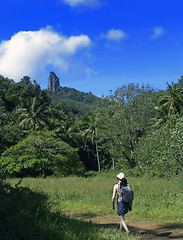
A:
(120, 223)
(123, 223)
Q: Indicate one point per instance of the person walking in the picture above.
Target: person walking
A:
(124, 202)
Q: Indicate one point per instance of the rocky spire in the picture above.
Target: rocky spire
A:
(53, 84)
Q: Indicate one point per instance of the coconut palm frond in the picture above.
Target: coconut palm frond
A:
(33, 116)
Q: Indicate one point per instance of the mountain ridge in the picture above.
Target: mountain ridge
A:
(76, 101)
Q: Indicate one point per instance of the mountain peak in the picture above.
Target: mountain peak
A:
(53, 84)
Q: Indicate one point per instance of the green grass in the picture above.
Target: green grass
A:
(156, 200)
(25, 214)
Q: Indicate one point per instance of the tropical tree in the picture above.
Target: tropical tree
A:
(90, 133)
(10, 133)
(126, 118)
(40, 153)
(172, 103)
(159, 151)
(33, 116)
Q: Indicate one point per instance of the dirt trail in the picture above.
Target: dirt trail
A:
(143, 231)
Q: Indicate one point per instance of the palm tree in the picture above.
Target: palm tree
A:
(90, 132)
(33, 116)
(173, 102)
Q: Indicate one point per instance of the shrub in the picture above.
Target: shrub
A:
(40, 153)
(159, 152)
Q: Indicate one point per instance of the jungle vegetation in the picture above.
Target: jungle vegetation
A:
(136, 128)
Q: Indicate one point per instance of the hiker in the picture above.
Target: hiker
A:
(124, 202)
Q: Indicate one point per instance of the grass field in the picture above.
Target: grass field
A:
(33, 207)
(156, 200)
(29, 214)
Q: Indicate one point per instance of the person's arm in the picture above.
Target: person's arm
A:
(114, 196)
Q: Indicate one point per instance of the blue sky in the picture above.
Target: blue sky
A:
(92, 45)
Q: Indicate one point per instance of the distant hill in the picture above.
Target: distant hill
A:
(74, 100)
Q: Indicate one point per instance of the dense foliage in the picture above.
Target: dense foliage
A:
(75, 101)
(136, 128)
(40, 153)
(159, 152)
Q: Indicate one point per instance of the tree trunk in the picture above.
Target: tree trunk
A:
(43, 173)
(112, 156)
(98, 160)
(129, 159)
(113, 163)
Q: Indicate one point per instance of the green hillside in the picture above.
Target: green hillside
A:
(75, 101)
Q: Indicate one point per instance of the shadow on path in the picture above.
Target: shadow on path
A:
(141, 230)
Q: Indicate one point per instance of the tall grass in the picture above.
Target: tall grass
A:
(25, 215)
(156, 200)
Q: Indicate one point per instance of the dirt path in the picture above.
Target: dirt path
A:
(143, 231)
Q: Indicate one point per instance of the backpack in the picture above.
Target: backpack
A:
(125, 193)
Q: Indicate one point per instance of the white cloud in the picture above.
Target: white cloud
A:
(115, 35)
(90, 72)
(30, 52)
(157, 32)
(76, 3)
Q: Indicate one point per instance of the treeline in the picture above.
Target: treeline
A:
(135, 128)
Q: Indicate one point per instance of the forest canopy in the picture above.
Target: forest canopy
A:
(136, 128)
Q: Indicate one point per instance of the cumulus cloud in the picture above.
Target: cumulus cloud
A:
(28, 52)
(157, 32)
(76, 3)
(115, 35)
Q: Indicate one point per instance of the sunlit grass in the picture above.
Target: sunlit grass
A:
(156, 200)
(26, 214)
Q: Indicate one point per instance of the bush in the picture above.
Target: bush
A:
(159, 152)
(40, 153)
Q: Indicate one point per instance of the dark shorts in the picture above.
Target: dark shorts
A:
(122, 208)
